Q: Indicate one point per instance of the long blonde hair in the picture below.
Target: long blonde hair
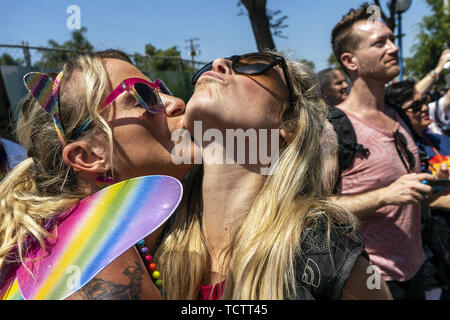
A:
(262, 251)
(43, 186)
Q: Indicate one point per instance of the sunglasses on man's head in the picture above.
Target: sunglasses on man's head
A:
(252, 64)
(145, 93)
(417, 105)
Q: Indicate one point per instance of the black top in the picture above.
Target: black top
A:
(323, 267)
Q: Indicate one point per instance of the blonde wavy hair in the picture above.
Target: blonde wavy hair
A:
(262, 251)
(43, 186)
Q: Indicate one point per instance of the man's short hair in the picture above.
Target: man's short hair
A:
(400, 92)
(342, 38)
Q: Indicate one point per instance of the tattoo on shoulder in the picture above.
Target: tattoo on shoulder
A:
(100, 289)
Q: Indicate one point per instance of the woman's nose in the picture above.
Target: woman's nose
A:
(222, 65)
(173, 106)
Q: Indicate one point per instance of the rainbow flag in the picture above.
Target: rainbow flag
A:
(436, 161)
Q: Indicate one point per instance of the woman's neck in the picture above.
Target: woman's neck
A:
(228, 192)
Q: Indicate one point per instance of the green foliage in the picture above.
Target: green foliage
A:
(308, 63)
(78, 44)
(430, 42)
(8, 60)
(178, 82)
(167, 69)
(152, 61)
(334, 63)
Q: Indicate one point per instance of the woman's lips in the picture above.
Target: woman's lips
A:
(211, 74)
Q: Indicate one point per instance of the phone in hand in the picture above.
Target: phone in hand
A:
(437, 186)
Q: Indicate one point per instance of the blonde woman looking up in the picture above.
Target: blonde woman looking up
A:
(111, 124)
(254, 231)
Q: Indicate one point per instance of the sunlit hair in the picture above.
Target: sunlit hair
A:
(43, 186)
(262, 252)
(343, 39)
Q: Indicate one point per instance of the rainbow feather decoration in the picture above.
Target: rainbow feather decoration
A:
(45, 91)
(94, 233)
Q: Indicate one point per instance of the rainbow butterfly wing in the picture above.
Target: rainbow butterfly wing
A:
(96, 231)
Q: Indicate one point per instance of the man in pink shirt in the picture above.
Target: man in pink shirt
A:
(383, 188)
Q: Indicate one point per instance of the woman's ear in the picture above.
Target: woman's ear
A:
(286, 135)
(83, 156)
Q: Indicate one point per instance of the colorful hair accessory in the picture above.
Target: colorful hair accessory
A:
(45, 91)
(94, 233)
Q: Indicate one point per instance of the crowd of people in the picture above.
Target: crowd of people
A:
(354, 208)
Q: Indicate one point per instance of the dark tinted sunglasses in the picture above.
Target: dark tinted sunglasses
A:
(146, 94)
(405, 154)
(417, 105)
(252, 64)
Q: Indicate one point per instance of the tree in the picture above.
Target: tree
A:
(430, 41)
(263, 21)
(8, 60)
(308, 63)
(77, 44)
(153, 59)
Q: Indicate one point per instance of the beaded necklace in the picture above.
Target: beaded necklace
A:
(151, 266)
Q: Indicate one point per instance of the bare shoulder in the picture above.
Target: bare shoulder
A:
(365, 283)
(126, 278)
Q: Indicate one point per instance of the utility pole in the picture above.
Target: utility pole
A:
(193, 50)
(26, 53)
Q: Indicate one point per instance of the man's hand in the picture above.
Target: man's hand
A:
(443, 174)
(423, 85)
(407, 189)
(445, 57)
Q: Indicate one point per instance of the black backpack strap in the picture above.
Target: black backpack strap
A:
(348, 146)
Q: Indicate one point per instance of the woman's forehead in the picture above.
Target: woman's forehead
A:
(119, 70)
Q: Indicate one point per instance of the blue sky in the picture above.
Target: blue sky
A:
(129, 25)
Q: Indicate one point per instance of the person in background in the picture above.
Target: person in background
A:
(11, 154)
(382, 187)
(246, 233)
(436, 222)
(439, 110)
(333, 86)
